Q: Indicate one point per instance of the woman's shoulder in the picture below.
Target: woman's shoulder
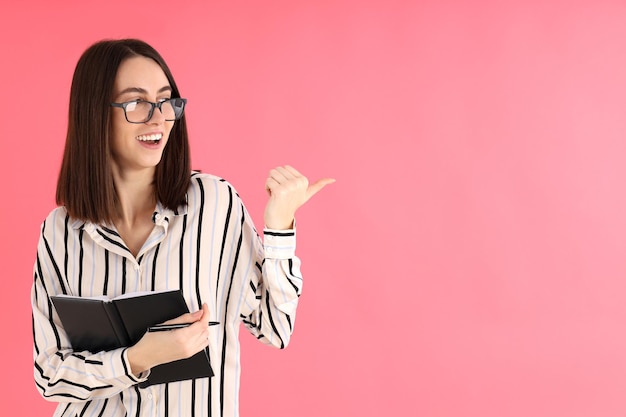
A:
(204, 180)
(58, 214)
(210, 189)
(59, 219)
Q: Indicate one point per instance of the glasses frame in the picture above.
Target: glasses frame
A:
(153, 105)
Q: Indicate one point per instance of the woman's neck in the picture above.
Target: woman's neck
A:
(136, 202)
(136, 196)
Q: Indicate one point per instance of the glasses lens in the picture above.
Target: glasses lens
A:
(138, 111)
(173, 108)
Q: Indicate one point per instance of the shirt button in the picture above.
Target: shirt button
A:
(269, 250)
(149, 396)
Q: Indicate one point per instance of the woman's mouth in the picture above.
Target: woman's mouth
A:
(152, 139)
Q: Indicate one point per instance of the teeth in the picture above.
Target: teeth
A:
(147, 138)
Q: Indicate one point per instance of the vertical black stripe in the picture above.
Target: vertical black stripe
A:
(32, 322)
(50, 309)
(197, 281)
(154, 267)
(85, 407)
(292, 275)
(66, 408)
(65, 244)
(295, 289)
(49, 302)
(54, 264)
(181, 256)
(104, 406)
(123, 275)
(210, 393)
(222, 249)
(199, 243)
(226, 304)
(271, 319)
(193, 398)
(166, 405)
(81, 258)
(138, 394)
(106, 272)
(217, 291)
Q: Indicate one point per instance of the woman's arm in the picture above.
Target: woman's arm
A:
(277, 283)
(60, 373)
(269, 311)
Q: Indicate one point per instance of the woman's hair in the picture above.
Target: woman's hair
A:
(85, 185)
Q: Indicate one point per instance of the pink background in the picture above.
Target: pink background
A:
(469, 261)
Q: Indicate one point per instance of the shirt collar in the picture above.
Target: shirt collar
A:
(160, 215)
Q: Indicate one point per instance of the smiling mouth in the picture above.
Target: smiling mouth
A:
(151, 139)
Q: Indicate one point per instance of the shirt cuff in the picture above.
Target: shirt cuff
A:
(279, 244)
(128, 373)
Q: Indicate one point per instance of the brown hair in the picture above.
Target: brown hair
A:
(85, 186)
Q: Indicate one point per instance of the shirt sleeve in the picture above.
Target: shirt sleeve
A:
(60, 373)
(276, 285)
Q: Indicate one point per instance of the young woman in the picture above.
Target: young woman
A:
(132, 216)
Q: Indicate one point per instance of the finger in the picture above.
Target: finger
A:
(287, 172)
(186, 318)
(291, 178)
(205, 315)
(317, 186)
(202, 323)
(279, 174)
(271, 184)
(292, 171)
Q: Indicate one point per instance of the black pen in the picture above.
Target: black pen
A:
(166, 327)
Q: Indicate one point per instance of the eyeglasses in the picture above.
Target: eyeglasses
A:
(140, 111)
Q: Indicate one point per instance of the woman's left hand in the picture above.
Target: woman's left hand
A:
(288, 190)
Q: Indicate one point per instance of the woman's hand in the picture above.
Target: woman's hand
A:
(288, 190)
(155, 348)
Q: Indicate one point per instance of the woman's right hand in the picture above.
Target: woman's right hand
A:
(155, 348)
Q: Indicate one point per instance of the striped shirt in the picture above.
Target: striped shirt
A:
(211, 251)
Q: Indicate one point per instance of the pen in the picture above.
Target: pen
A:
(166, 327)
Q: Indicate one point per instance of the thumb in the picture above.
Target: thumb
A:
(205, 313)
(317, 186)
(186, 318)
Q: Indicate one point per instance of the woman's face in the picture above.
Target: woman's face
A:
(139, 147)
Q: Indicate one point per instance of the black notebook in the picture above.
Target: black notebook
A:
(97, 324)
